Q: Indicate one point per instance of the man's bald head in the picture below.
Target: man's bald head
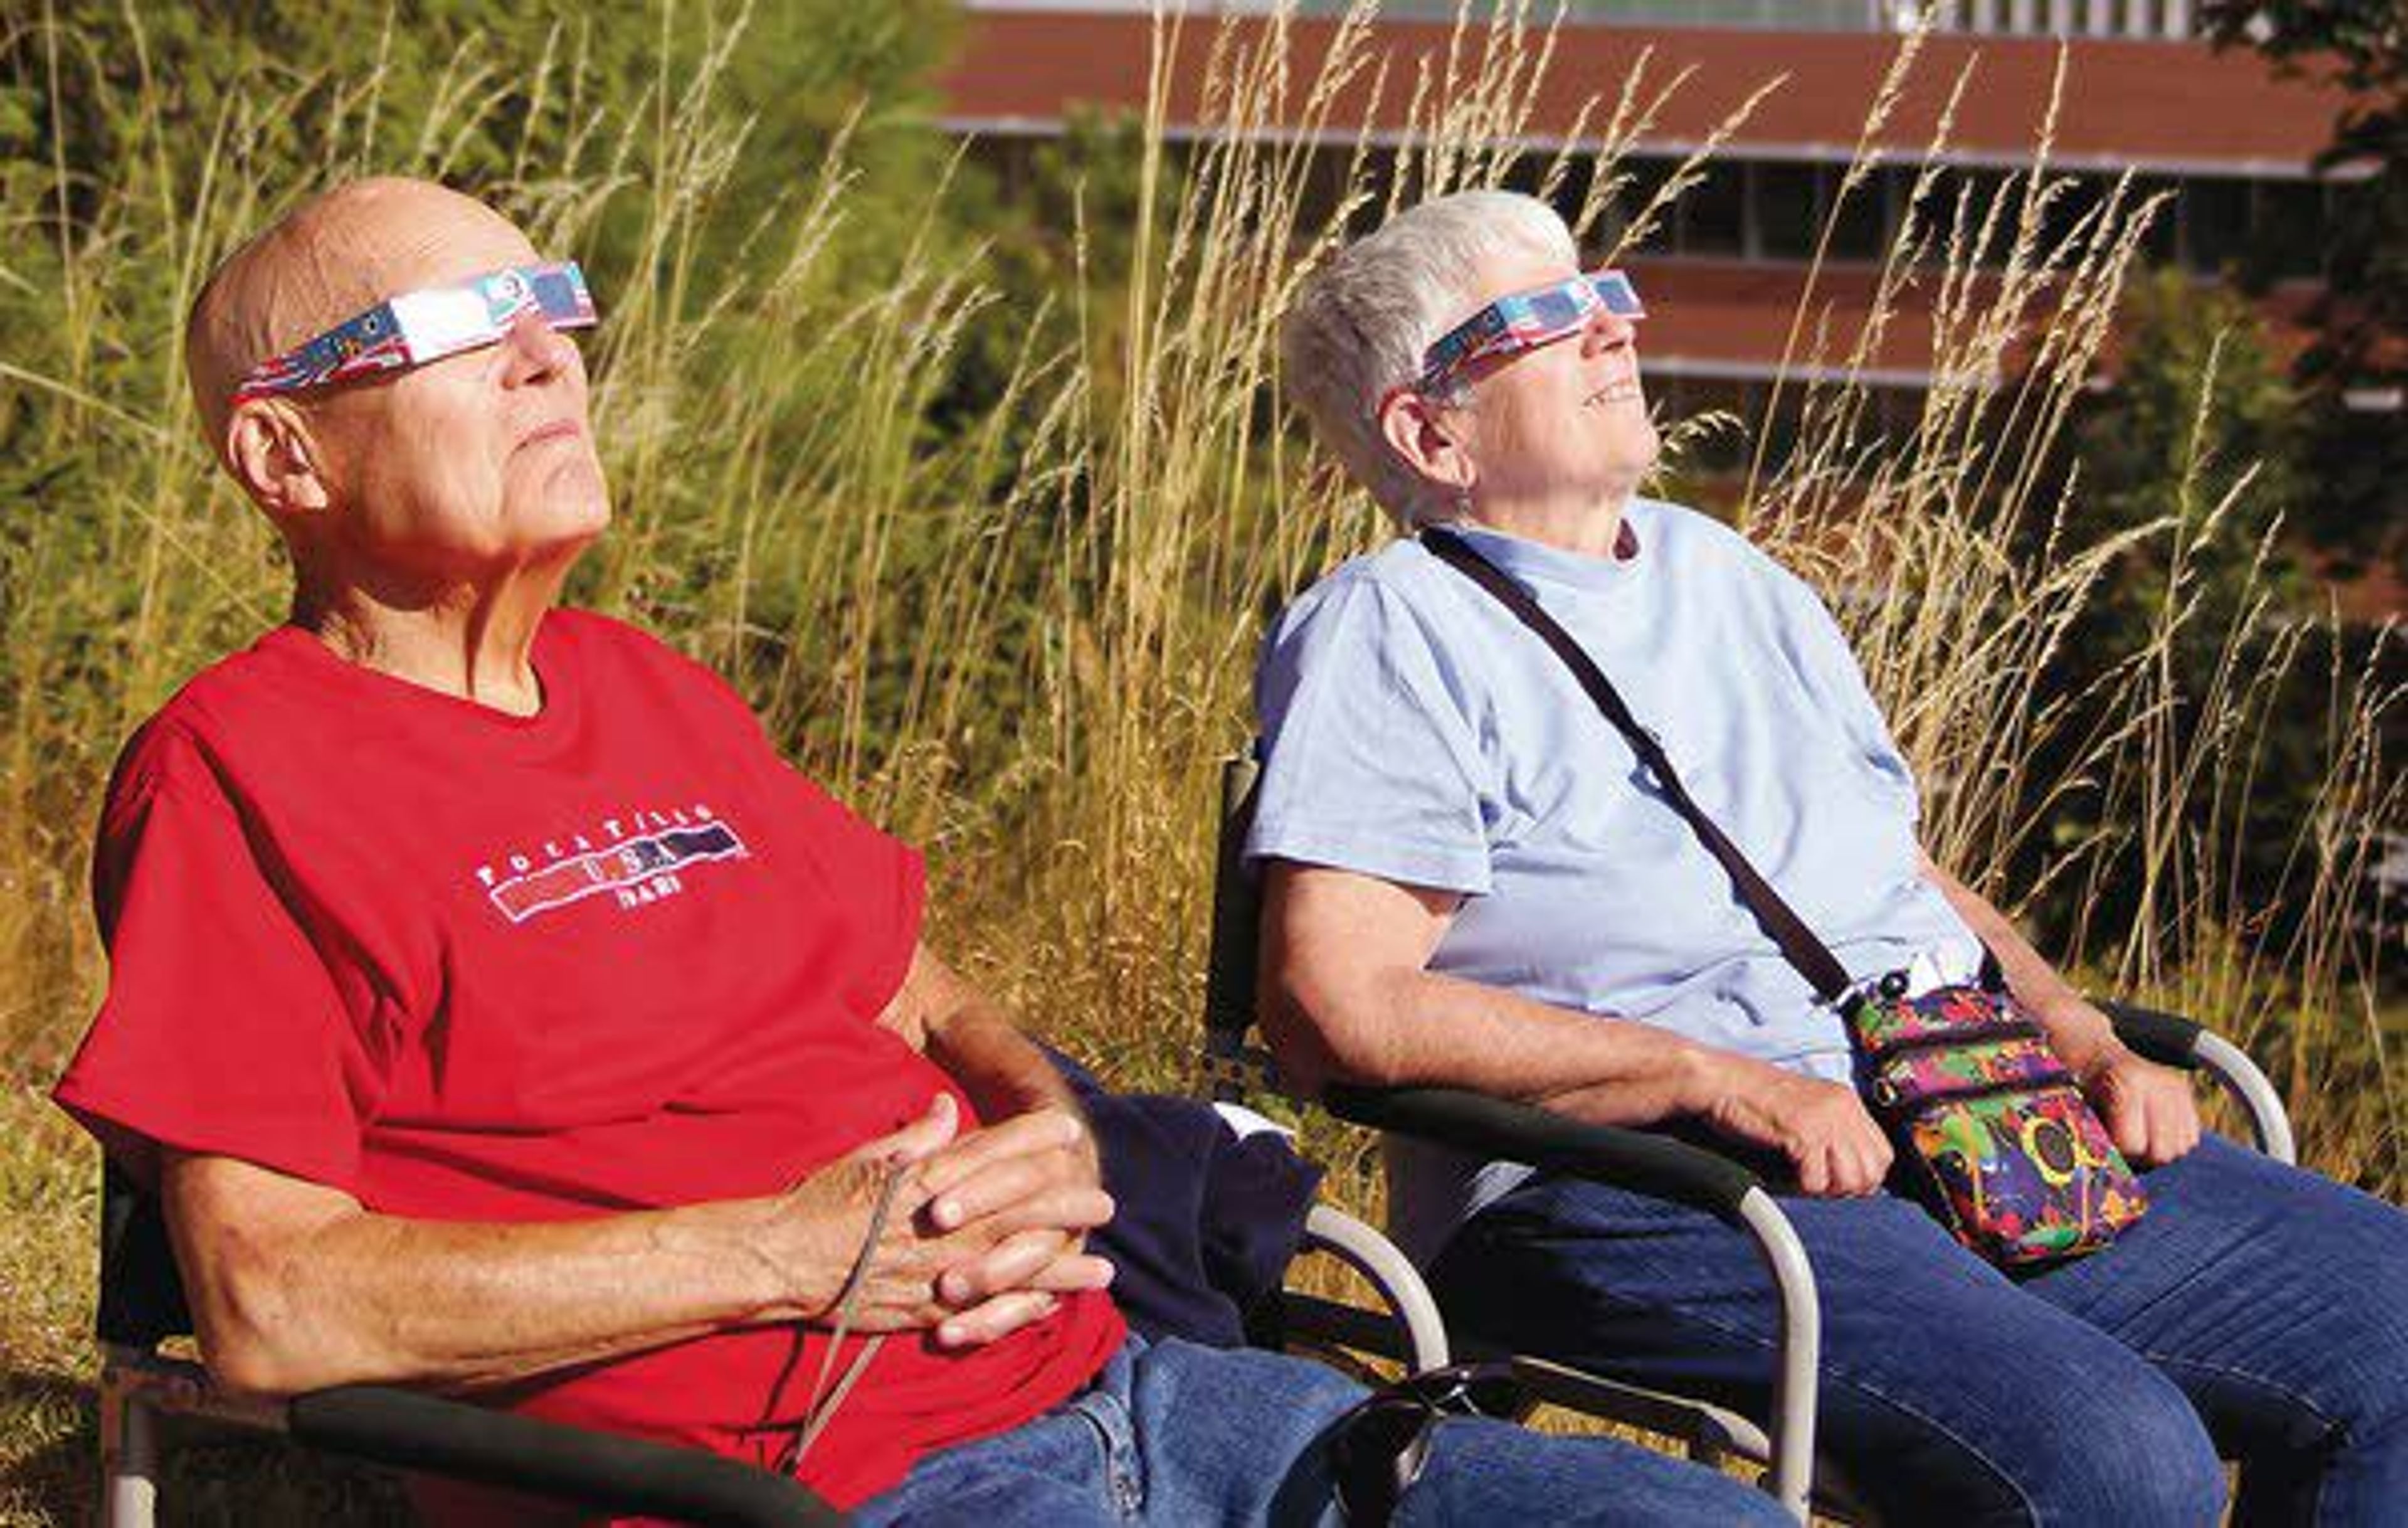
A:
(335, 255)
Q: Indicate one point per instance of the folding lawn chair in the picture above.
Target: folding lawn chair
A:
(1638, 1160)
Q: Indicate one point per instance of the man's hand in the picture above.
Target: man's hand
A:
(1821, 1126)
(1023, 1191)
(1007, 1206)
(2149, 1110)
(1037, 1173)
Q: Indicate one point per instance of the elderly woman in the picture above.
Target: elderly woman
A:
(1473, 881)
(492, 1010)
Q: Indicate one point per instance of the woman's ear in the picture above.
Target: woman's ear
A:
(273, 453)
(1428, 438)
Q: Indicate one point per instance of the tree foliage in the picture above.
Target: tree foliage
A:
(2361, 353)
(2200, 453)
(220, 115)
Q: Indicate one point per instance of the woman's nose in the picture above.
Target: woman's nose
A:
(1605, 330)
(1602, 334)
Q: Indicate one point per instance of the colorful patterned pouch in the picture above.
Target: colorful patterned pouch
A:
(1991, 1129)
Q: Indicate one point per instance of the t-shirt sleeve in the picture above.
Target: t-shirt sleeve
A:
(1828, 666)
(221, 1030)
(1369, 764)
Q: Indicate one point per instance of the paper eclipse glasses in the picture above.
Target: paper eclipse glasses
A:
(1527, 320)
(416, 327)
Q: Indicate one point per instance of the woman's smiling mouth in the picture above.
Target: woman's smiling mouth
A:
(1624, 391)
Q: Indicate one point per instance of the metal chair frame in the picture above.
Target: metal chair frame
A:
(1639, 1161)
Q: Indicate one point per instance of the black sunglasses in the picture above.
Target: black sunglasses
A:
(1379, 1447)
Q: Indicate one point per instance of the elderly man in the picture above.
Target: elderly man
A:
(1477, 878)
(493, 1011)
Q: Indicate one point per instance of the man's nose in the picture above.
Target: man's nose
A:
(537, 350)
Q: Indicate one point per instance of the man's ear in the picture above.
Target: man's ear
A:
(273, 453)
(1428, 438)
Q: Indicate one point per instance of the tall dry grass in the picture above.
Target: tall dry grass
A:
(1028, 643)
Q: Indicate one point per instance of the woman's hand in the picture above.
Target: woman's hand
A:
(1821, 1126)
(2149, 1110)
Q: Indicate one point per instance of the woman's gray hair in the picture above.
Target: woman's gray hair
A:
(1358, 329)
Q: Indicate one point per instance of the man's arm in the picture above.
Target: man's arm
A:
(939, 1014)
(1347, 996)
(2148, 1109)
(295, 1286)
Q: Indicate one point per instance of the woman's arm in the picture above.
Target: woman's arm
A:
(2076, 1030)
(2148, 1109)
(1346, 996)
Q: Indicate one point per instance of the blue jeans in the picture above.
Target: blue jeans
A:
(2256, 1307)
(1177, 1435)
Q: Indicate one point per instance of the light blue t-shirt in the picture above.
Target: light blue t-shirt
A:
(1414, 730)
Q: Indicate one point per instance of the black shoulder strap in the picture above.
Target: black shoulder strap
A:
(1798, 942)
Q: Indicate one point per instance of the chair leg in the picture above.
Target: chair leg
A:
(129, 1461)
(1791, 1479)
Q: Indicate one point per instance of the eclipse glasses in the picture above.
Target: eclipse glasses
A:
(1524, 321)
(416, 327)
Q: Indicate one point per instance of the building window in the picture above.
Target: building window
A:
(2162, 244)
(1776, 210)
(1788, 211)
(1710, 217)
(2214, 222)
(2073, 203)
(1866, 221)
(2289, 231)
(1641, 179)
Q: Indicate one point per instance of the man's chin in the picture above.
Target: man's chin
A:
(571, 501)
(557, 531)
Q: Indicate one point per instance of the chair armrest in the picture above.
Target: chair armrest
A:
(1651, 1165)
(2167, 1039)
(411, 1430)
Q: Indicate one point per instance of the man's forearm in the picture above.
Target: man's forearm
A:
(1001, 1069)
(327, 1294)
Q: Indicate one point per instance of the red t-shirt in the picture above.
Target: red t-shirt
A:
(467, 966)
